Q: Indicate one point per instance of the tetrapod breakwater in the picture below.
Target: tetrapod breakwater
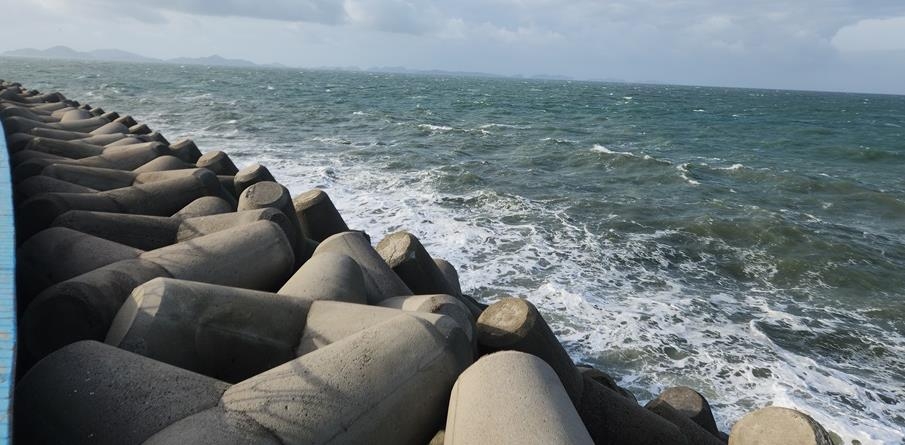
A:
(164, 295)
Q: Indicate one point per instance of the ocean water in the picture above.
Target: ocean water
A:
(747, 243)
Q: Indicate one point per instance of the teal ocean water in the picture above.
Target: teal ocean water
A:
(748, 243)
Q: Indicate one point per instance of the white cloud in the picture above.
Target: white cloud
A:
(872, 35)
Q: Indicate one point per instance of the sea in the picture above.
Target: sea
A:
(747, 243)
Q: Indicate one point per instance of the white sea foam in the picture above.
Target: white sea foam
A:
(435, 128)
(512, 126)
(683, 172)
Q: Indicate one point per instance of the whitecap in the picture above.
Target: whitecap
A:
(435, 128)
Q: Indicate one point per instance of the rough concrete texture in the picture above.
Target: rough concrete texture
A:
(214, 426)
(163, 198)
(451, 274)
(778, 426)
(438, 438)
(226, 333)
(607, 381)
(328, 276)
(204, 206)
(436, 304)
(21, 156)
(512, 398)
(162, 163)
(251, 175)
(614, 420)
(217, 162)
(139, 231)
(514, 323)
(75, 115)
(126, 121)
(692, 404)
(57, 254)
(317, 215)
(359, 389)
(36, 185)
(69, 149)
(224, 257)
(186, 150)
(191, 228)
(92, 393)
(380, 281)
(94, 177)
(271, 194)
(139, 129)
(125, 158)
(111, 128)
(404, 253)
(331, 321)
(692, 431)
(83, 307)
(149, 177)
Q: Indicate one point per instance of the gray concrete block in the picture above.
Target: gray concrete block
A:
(512, 398)
(451, 274)
(331, 321)
(328, 276)
(103, 139)
(204, 206)
(273, 195)
(186, 150)
(94, 177)
(214, 426)
(436, 304)
(692, 431)
(778, 426)
(317, 215)
(162, 163)
(110, 128)
(92, 393)
(140, 231)
(84, 306)
(58, 254)
(62, 135)
(692, 404)
(126, 121)
(227, 333)
(612, 419)
(37, 185)
(249, 176)
(217, 162)
(75, 115)
(128, 140)
(607, 381)
(515, 324)
(139, 129)
(357, 390)
(404, 253)
(380, 281)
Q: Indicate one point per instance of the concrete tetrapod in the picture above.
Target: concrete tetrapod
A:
(92, 393)
(692, 431)
(515, 324)
(691, 404)
(449, 272)
(273, 195)
(109, 179)
(153, 232)
(512, 398)
(125, 158)
(84, 306)
(251, 175)
(357, 389)
(778, 426)
(58, 254)
(436, 304)
(328, 276)
(163, 198)
(36, 185)
(223, 332)
(404, 253)
(217, 162)
(612, 419)
(317, 215)
(163, 163)
(380, 281)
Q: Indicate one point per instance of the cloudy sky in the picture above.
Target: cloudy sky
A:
(847, 45)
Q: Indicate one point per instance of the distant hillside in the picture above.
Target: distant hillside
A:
(116, 55)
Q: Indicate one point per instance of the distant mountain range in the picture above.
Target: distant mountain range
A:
(116, 55)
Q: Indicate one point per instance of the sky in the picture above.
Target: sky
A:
(834, 45)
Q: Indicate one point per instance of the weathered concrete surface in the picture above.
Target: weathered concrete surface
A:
(512, 398)
(331, 321)
(251, 175)
(140, 231)
(58, 254)
(92, 393)
(359, 389)
(380, 281)
(317, 215)
(691, 404)
(217, 162)
(328, 276)
(451, 274)
(273, 195)
(607, 381)
(441, 304)
(515, 324)
(778, 426)
(84, 306)
(404, 253)
(692, 431)
(227, 333)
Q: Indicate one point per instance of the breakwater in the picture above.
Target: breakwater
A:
(160, 219)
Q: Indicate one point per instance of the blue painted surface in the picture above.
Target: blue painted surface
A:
(7, 293)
